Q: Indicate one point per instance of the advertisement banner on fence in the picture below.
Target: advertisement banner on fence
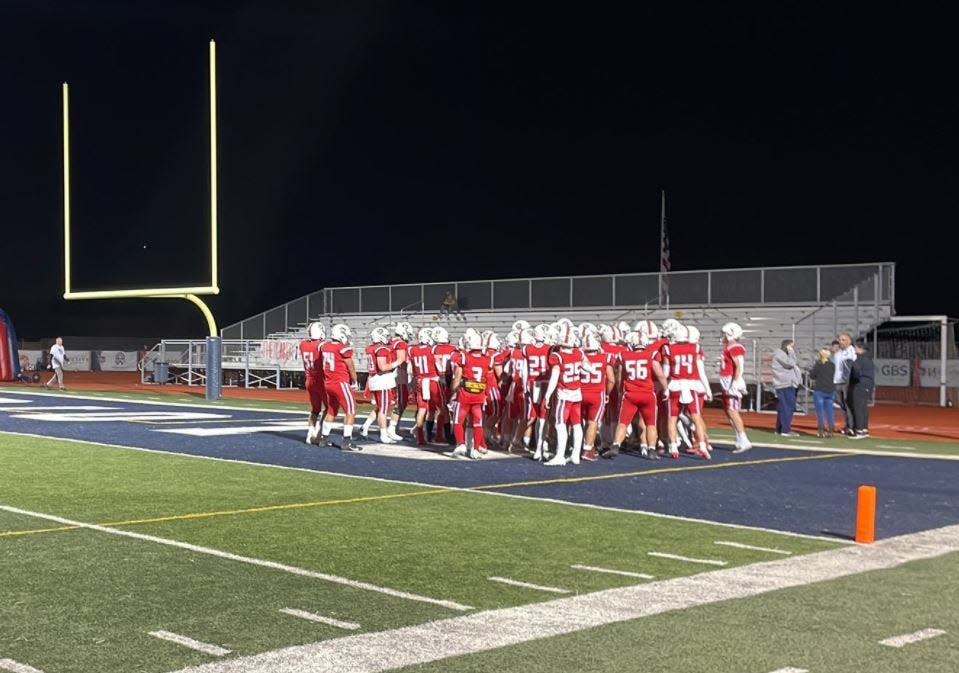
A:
(115, 361)
(930, 370)
(78, 361)
(277, 353)
(28, 359)
(893, 373)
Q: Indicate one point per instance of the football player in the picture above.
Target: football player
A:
(403, 333)
(640, 372)
(493, 408)
(537, 379)
(731, 372)
(598, 383)
(427, 385)
(566, 371)
(382, 379)
(442, 352)
(315, 386)
(340, 376)
(470, 367)
(687, 388)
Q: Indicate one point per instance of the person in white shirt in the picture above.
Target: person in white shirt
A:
(58, 357)
(843, 357)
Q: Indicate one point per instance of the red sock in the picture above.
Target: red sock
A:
(479, 439)
(459, 434)
(420, 437)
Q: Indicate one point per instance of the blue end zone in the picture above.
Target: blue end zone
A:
(804, 496)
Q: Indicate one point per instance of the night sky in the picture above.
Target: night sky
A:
(367, 142)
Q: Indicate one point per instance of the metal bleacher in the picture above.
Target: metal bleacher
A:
(809, 304)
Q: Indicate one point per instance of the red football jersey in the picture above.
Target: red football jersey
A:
(613, 351)
(381, 351)
(517, 364)
(595, 381)
(370, 360)
(499, 359)
(335, 357)
(441, 356)
(536, 361)
(424, 362)
(637, 368)
(683, 360)
(475, 366)
(570, 363)
(730, 351)
(310, 355)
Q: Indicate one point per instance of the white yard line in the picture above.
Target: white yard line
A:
(206, 648)
(15, 667)
(293, 570)
(740, 545)
(382, 480)
(64, 407)
(320, 619)
(527, 585)
(484, 631)
(152, 402)
(910, 638)
(790, 669)
(703, 561)
(896, 446)
(611, 571)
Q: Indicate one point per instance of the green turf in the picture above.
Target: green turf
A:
(830, 627)
(82, 600)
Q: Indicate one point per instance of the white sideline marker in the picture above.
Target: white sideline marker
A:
(62, 407)
(611, 571)
(790, 669)
(740, 545)
(13, 666)
(293, 570)
(910, 638)
(206, 648)
(704, 561)
(313, 617)
(527, 585)
(11, 400)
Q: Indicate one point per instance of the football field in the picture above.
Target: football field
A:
(142, 536)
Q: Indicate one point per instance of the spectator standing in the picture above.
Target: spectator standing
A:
(824, 387)
(58, 357)
(842, 358)
(786, 379)
(862, 381)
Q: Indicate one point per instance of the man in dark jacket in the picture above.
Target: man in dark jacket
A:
(862, 381)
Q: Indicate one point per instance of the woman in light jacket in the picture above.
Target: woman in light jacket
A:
(786, 379)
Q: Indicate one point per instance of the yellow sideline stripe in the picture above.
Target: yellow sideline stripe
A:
(653, 473)
(231, 512)
(433, 491)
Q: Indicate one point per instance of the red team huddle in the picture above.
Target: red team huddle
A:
(574, 388)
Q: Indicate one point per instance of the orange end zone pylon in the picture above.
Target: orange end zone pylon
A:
(866, 515)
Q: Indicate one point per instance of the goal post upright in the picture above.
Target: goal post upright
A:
(191, 294)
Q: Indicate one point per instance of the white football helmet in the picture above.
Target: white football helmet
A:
(624, 328)
(317, 331)
(732, 331)
(526, 337)
(586, 328)
(520, 325)
(490, 341)
(606, 334)
(440, 335)
(512, 339)
(379, 335)
(341, 333)
(565, 321)
(647, 327)
(669, 328)
(693, 334)
(566, 335)
(425, 336)
(681, 334)
(591, 341)
(403, 330)
(541, 333)
(553, 334)
(635, 339)
(472, 340)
